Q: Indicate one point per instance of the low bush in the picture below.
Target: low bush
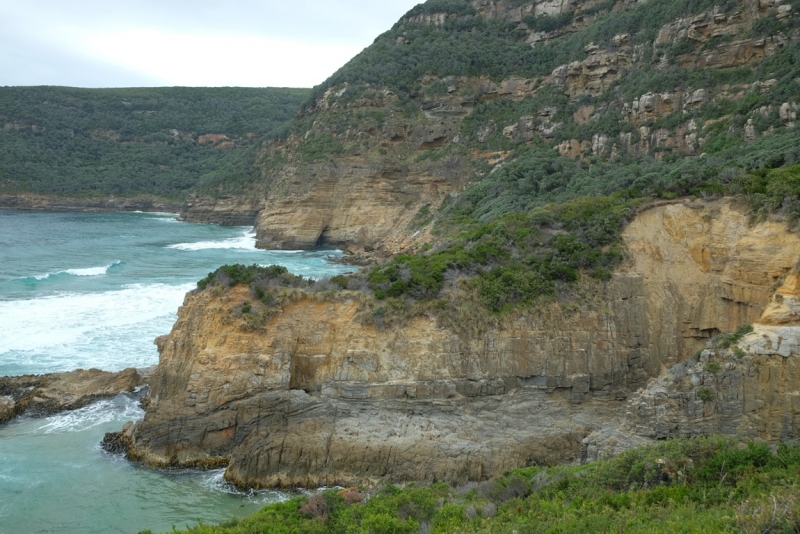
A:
(705, 395)
(258, 276)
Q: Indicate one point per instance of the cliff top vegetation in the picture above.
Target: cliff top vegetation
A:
(515, 259)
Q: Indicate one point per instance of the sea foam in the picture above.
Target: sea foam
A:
(243, 242)
(108, 330)
(97, 414)
(214, 480)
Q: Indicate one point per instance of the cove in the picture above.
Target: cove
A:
(81, 290)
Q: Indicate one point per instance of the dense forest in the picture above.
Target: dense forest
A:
(92, 142)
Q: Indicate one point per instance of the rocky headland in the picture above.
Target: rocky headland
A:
(359, 168)
(635, 163)
(319, 396)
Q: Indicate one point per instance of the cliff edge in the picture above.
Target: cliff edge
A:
(319, 396)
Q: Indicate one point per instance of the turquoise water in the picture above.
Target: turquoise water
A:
(80, 290)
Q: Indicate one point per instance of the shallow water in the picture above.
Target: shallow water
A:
(80, 290)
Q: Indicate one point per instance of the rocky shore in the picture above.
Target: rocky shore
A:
(31, 201)
(43, 395)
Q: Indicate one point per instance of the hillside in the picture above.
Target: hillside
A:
(526, 103)
(161, 142)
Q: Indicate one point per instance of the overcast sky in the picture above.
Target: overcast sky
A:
(134, 43)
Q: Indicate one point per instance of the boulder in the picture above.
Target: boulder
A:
(7, 405)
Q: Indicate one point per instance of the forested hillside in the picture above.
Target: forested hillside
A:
(161, 141)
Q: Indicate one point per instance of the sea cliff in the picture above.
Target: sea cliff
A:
(318, 396)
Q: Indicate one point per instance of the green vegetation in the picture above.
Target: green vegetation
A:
(515, 258)
(125, 142)
(468, 45)
(700, 485)
(542, 220)
(726, 341)
(705, 395)
(256, 276)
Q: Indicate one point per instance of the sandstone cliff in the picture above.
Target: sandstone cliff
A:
(318, 396)
(743, 386)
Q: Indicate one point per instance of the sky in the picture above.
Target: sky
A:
(207, 43)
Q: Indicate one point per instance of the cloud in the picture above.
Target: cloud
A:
(93, 43)
(216, 59)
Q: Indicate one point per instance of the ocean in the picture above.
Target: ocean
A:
(83, 290)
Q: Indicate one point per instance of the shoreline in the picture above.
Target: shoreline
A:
(55, 203)
(52, 393)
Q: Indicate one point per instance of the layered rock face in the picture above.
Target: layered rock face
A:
(319, 396)
(747, 389)
(353, 203)
(226, 211)
(706, 270)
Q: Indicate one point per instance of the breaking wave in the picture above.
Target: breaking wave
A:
(245, 241)
(88, 271)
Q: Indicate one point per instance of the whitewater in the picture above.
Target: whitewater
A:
(83, 290)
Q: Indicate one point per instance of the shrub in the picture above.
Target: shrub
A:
(351, 496)
(341, 281)
(259, 277)
(685, 485)
(316, 507)
(705, 395)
